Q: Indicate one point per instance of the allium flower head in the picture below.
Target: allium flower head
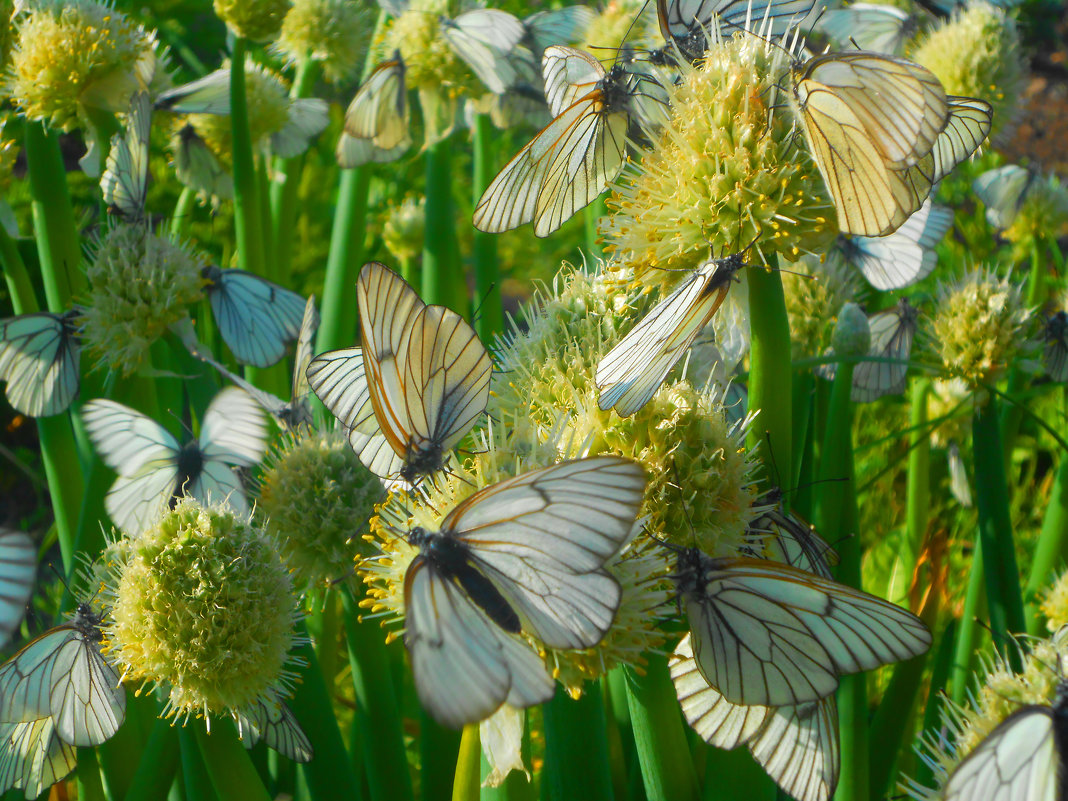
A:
(333, 33)
(318, 500)
(139, 283)
(402, 231)
(203, 608)
(1055, 605)
(981, 326)
(725, 171)
(75, 56)
(1043, 214)
(977, 54)
(815, 293)
(256, 20)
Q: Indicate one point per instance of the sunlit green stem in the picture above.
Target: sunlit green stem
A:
(484, 246)
(247, 209)
(659, 736)
(438, 749)
(917, 511)
(183, 213)
(443, 280)
(228, 764)
(468, 777)
(964, 653)
(591, 217)
(90, 788)
(1051, 552)
(572, 727)
(158, 764)
(337, 328)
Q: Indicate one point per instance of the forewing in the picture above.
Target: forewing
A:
(207, 95)
(86, 701)
(463, 664)
(233, 430)
(276, 725)
(558, 26)
(880, 28)
(379, 111)
(127, 440)
(892, 332)
(569, 73)
(256, 317)
(40, 362)
(900, 259)
(125, 179)
(18, 570)
(484, 39)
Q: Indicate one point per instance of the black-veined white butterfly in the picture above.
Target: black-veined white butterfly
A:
(686, 24)
(787, 538)
(18, 570)
(567, 25)
(40, 358)
(900, 259)
(414, 389)
(377, 119)
(766, 634)
(892, 332)
(33, 757)
(125, 179)
(62, 675)
(207, 95)
(574, 158)
(154, 470)
(256, 317)
(1003, 191)
(958, 476)
(484, 39)
(292, 413)
(523, 555)
(872, 26)
(1055, 353)
(796, 745)
(629, 374)
(275, 725)
(198, 167)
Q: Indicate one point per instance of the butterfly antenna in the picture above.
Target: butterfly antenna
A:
(478, 309)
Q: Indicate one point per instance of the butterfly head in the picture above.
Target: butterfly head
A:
(1057, 327)
(422, 461)
(88, 622)
(212, 274)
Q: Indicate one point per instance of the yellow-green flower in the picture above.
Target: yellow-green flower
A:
(332, 33)
(815, 293)
(403, 229)
(256, 20)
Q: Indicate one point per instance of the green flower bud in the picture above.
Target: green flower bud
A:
(255, 20)
(852, 334)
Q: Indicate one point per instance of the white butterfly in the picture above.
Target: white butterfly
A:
(629, 374)
(198, 167)
(61, 675)
(379, 112)
(687, 23)
(875, 27)
(426, 381)
(892, 332)
(125, 179)
(276, 726)
(523, 555)
(1055, 353)
(207, 95)
(484, 39)
(154, 469)
(40, 358)
(256, 317)
(33, 757)
(789, 539)
(766, 634)
(567, 25)
(796, 745)
(958, 476)
(906, 256)
(1003, 190)
(18, 570)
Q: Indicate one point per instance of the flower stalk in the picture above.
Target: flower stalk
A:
(577, 726)
(443, 280)
(484, 246)
(228, 764)
(337, 327)
(158, 765)
(1052, 547)
(467, 780)
(247, 209)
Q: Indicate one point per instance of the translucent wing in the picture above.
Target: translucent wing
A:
(308, 116)
(125, 179)
(1002, 190)
(40, 358)
(198, 168)
(256, 317)
(900, 259)
(892, 332)
(379, 111)
(544, 537)
(686, 23)
(484, 38)
(352, 152)
(629, 375)
(789, 539)
(32, 757)
(1055, 353)
(874, 27)
(18, 571)
(464, 665)
(568, 73)
(958, 476)
(278, 728)
(561, 26)
(796, 745)
(233, 430)
(1017, 761)
(302, 357)
(207, 95)
(771, 635)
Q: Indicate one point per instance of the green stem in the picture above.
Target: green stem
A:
(90, 788)
(918, 493)
(484, 246)
(159, 762)
(940, 673)
(438, 750)
(659, 736)
(591, 217)
(442, 277)
(736, 776)
(1051, 552)
(249, 233)
(803, 390)
(573, 727)
(377, 713)
(194, 774)
(337, 328)
(964, 653)
(183, 213)
(468, 777)
(770, 372)
(327, 641)
(228, 764)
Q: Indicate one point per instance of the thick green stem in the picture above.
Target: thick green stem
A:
(576, 748)
(736, 776)
(247, 210)
(159, 762)
(183, 212)
(484, 246)
(917, 511)
(770, 372)
(1051, 553)
(995, 530)
(90, 788)
(229, 767)
(591, 217)
(659, 734)
(443, 280)
(964, 653)
(197, 783)
(803, 390)
(438, 749)
(377, 713)
(468, 777)
(337, 328)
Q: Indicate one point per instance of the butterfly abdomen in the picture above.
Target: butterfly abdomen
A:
(190, 465)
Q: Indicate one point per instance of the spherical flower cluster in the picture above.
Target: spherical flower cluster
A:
(430, 62)
(75, 56)
(317, 499)
(815, 293)
(256, 20)
(1055, 605)
(725, 171)
(268, 111)
(403, 229)
(139, 283)
(1043, 214)
(981, 327)
(202, 607)
(977, 54)
(333, 33)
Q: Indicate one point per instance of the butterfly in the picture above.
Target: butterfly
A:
(18, 570)
(1055, 353)
(154, 470)
(892, 332)
(874, 27)
(33, 757)
(414, 388)
(574, 158)
(686, 24)
(1003, 191)
(40, 358)
(524, 555)
(566, 25)
(379, 111)
(791, 540)
(207, 95)
(629, 374)
(63, 676)
(296, 411)
(256, 317)
(198, 167)
(796, 745)
(125, 179)
(900, 259)
(765, 634)
(958, 476)
(274, 724)
(484, 38)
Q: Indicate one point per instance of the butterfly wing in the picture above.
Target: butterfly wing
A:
(18, 570)
(1002, 190)
(32, 757)
(1055, 353)
(207, 95)
(276, 725)
(772, 635)
(568, 73)
(86, 701)
(464, 665)
(352, 152)
(878, 28)
(39, 358)
(629, 375)
(233, 430)
(892, 332)
(198, 168)
(26, 678)
(125, 179)
(680, 19)
(558, 26)
(544, 537)
(300, 409)
(256, 317)
(484, 38)
(379, 111)
(900, 259)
